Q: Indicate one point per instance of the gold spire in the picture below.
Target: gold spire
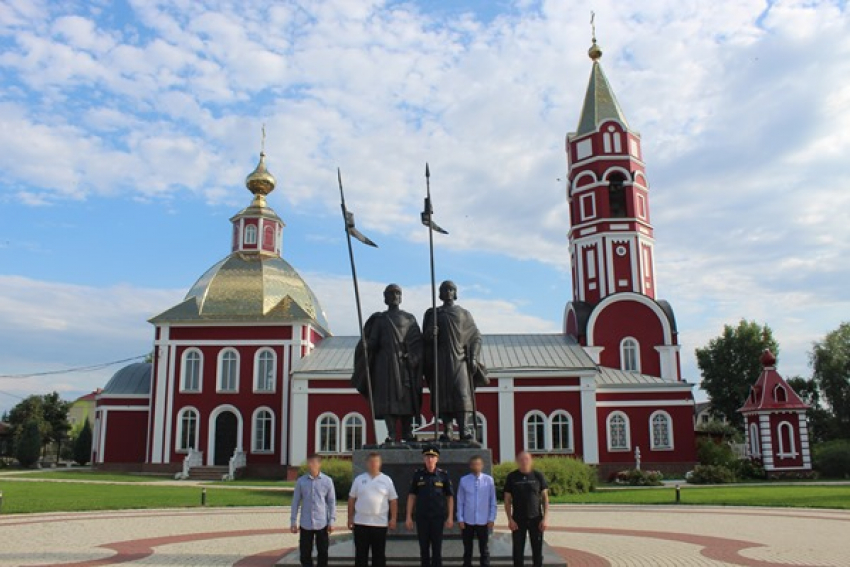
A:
(595, 52)
(261, 182)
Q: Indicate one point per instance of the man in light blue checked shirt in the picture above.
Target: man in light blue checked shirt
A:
(315, 495)
(476, 511)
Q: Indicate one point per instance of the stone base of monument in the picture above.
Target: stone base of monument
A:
(404, 552)
(400, 460)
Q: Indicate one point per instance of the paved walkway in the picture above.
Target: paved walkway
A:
(586, 536)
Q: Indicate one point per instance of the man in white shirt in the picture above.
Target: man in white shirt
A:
(372, 510)
(476, 511)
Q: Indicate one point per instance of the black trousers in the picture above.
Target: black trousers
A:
(471, 533)
(305, 546)
(368, 538)
(430, 532)
(532, 528)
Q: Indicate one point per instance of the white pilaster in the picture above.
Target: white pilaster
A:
(766, 441)
(159, 395)
(589, 429)
(667, 357)
(507, 418)
(594, 352)
(299, 424)
(804, 440)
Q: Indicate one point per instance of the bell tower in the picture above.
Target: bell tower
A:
(611, 240)
(257, 229)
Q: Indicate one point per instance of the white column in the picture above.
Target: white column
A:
(594, 352)
(299, 424)
(589, 429)
(507, 418)
(667, 357)
(158, 395)
(804, 440)
(170, 385)
(766, 441)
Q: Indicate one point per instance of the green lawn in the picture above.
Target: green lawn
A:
(269, 483)
(30, 497)
(783, 496)
(90, 475)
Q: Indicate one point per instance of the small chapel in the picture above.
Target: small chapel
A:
(247, 376)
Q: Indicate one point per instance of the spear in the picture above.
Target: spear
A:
(351, 230)
(427, 220)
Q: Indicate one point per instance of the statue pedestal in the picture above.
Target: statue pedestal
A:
(404, 552)
(401, 460)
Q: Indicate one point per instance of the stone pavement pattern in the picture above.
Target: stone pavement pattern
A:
(586, 536)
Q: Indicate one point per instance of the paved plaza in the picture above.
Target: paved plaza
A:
(588, 536)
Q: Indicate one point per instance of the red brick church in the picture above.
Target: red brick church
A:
(246, 373)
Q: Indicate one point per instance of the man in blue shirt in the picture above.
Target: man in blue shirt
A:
(315, 494)
(476, 511)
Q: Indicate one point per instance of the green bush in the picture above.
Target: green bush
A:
(711, 474)
(636, 477)
(746, 469)
(28, 444)
(715, 454)
(341, 472)
(564, 475)
(82, 445)
(832, 459)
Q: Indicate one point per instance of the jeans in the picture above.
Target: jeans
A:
(305, 545)
(532, 528)
(430, 532)
(366, 538)
(470, 533)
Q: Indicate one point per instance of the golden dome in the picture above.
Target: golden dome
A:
(249, 287)
(595, 52)
(260, 182)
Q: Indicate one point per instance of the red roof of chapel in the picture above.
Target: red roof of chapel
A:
(763, 394)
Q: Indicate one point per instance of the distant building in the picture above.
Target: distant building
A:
(83, 409)
(245, 369)
(775, 423)
(703, 415)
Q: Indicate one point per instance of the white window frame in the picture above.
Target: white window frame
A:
(255, 437)
(178, 448)
(344, 448)
(776, 390)
(550, 427)
(318, 442)
(627, 425)
(481, 427)
(251, 234)
(183, 374)
(652, 444)
(525, 422)
(780, 442)
(582, 200)
(220, 378)
(755, 445)
(257, 355)
(623, 344)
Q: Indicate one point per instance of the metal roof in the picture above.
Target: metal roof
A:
(614, 377)
(335, 355)
(134, 379)
(600, 104)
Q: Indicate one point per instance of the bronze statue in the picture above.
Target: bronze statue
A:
(458, 368)
(395, 360)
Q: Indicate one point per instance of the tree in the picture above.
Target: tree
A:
(28, 444)
(55, 411)
(730, 366)
(29, 409)
(830, 360)
(82, 444)
(822, 424)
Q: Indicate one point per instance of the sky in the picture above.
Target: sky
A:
(127, 129)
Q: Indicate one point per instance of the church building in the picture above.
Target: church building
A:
(246, 374)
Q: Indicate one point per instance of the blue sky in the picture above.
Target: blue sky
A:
(127, 128)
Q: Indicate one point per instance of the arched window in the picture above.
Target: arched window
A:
(780, 394)
(327, 433)
(755, 450)
(265, 370)
(192, 361)
(535, 431)
(630, 355)
(353, 432)
(250, 234)
(481, 429)
(661, 431)
(561, 428)
(619, 438)
(228, 371)
(617, 196)
(262, 437)
(787, 443)
(268, 237)
(187, 435)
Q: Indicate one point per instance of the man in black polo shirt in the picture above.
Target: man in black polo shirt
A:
(432, 495)
(527, 507)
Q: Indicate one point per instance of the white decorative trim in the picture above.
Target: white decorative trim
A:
(183, 374)
(179, 437)
(782, 451)
(636, 346)
(667, 358)
(254, 435)
(643, 403)
(525, 420)
(652, 444)
(629, 296)
(318, 436)
(256, 371)
(344, 448)
(211, 431)
(550, 442)
(220, 371)
(628, 428)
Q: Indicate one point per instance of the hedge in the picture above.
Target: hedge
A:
(832, 459)
(341, 472)
(564, 475)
